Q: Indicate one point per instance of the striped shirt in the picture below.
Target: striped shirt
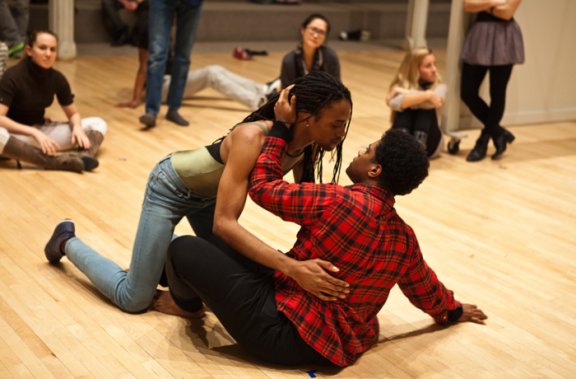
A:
(358, 230)
(3, 57)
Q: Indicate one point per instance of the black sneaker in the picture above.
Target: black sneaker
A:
(54, 247)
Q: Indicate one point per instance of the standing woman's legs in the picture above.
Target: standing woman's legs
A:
(158, 38)
(187, 21)
(241, 294)
(499, 78)
(472, 77)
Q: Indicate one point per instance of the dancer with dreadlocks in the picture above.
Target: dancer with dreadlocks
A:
(209, 187)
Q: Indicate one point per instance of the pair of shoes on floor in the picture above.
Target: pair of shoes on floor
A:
(54, 249)
(149, 119)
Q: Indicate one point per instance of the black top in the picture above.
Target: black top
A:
(293, 65)
(488, 17)
(28, 89)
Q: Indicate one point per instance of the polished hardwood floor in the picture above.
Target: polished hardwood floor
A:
(501, 235)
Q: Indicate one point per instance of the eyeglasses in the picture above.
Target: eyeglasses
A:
(314, 30)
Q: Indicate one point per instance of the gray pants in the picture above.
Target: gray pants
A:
(58, 131)
(14, 15)
(3, 58)
(233, 86)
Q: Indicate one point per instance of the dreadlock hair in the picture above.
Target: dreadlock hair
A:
(314, 93)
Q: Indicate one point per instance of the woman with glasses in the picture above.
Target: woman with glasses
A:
(311, 54)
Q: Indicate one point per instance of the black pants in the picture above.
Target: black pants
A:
(422, 120)
(472, 77)
(241, 294)
(112, 20)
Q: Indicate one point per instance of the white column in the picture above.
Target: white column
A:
(456, 115)
(61, 22)
(416, 21)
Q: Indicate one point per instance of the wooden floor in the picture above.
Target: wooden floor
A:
(500, 234)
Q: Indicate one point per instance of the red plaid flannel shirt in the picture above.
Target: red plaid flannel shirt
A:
(357, 229)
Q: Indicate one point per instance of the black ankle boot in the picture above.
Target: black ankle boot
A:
(480, 148)
(500, 143)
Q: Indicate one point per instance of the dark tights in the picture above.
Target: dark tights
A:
(420, 120)
(489, 116)
(241, 294)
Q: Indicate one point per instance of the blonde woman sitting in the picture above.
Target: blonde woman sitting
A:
(415, 98)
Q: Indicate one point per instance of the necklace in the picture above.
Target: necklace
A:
(295, 155)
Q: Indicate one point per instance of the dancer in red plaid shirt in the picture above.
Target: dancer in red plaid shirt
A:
(354, 228)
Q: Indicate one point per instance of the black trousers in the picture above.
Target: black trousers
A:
(241, 294)
(111, 17)
(489, 115)
(423, 120)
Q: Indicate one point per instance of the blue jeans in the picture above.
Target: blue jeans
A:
(14, 17)
(162, 14)
(166, 201)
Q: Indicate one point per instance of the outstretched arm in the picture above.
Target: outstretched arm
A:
(422, 287)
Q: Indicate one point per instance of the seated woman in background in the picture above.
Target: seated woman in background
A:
(311, 54)
(415, 98)
(236, 87)
(26, 90)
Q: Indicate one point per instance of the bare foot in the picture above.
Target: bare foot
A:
(164, 303)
